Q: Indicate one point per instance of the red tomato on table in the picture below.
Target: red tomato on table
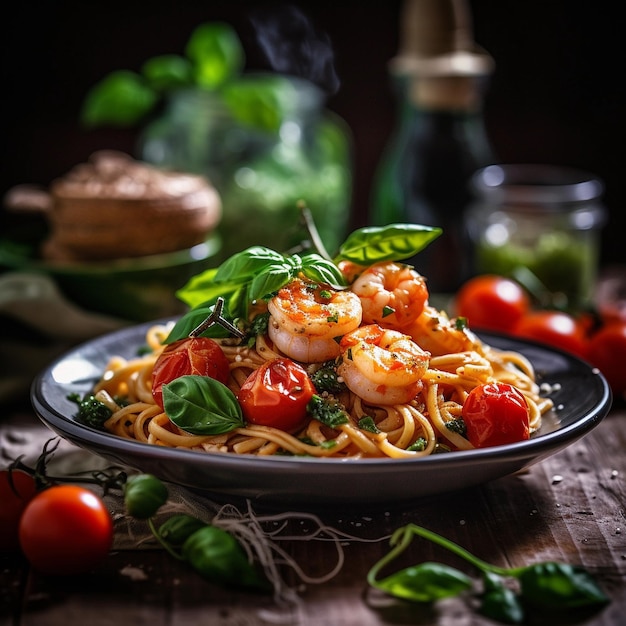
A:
(200, 356)
(496, 414)
(65, 529)
(554, 328)
(491, 302)
(276, 394)
(17, 489)
(607, 351)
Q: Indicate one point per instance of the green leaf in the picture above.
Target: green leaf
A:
(120, 99)
(168, 72)
(367, 423)
(328, 411)
(321, 270)
(559, 586)
(216, 52)
(217, 556)
(426, 582)
(261, 102)
(201, 405)
(247, 264)
(271, 279)
(204, 289)
(394, 242)
(499, 602)
(190, 321)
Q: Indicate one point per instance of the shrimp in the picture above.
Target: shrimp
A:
(434, 331)
(382, 366)
(307, 319)
(392, 294)
(350, 270)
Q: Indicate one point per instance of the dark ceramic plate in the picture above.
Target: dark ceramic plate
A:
(581, 396)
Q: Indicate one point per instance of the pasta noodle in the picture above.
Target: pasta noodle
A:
(409, 430)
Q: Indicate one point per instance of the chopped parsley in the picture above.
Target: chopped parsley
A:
(326, 379)
(328, 411)
(368, 424)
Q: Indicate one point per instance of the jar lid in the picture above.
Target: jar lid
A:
(536, 184)
(536, 191)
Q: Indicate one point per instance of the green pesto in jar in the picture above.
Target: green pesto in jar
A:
(541, 219)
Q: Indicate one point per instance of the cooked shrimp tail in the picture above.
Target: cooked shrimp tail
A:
(392, 294)
(308, 319)
(381, 365)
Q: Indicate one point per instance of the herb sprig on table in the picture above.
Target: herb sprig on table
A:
(217, 551)
(545, 586)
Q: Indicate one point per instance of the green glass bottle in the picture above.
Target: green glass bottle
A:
(439, 140)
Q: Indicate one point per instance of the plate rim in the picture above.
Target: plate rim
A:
(537, 447)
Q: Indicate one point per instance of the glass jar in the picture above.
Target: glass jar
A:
(262, 160)
(539, 224)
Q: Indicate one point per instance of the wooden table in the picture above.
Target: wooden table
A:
(568, 508)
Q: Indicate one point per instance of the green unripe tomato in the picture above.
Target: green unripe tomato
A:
(144, 494)
(178, 528)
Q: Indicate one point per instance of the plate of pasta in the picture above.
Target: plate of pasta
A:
(306, 380)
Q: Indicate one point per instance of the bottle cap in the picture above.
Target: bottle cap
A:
(437, 39)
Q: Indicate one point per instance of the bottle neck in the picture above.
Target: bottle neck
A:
(461, 94)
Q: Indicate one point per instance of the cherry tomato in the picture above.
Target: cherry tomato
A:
(554, 328)
(17, 488)
(65, 529)
(276, 394)
(492, 302)
(496, 414)
(607, 351)
(200, 356)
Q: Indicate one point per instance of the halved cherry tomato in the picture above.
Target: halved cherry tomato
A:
(17, 489)
(65, 529)
(200, 356)
(496, 414)
(491, 302)
(607, 351)
(276, 394)
(555, 328)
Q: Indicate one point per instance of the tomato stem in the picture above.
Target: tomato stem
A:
(109, 478)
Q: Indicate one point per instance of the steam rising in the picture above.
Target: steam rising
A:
(292, 46)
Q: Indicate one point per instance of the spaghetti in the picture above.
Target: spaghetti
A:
(410, 430)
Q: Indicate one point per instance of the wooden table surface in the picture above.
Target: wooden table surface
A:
(568, 508)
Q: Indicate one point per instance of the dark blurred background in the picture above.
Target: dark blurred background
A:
(557, 95)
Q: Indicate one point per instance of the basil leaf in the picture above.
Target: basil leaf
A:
(558, 585)
(216, 52)
(168, 72)
(189, 321)
(394, 242)
(120, 99)
(271, 280)
(217, 556)
(261, 102)
(247, 264)
(500, 603)
(199, 288)
(201, 405)
(321, 270)
(426, 582)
